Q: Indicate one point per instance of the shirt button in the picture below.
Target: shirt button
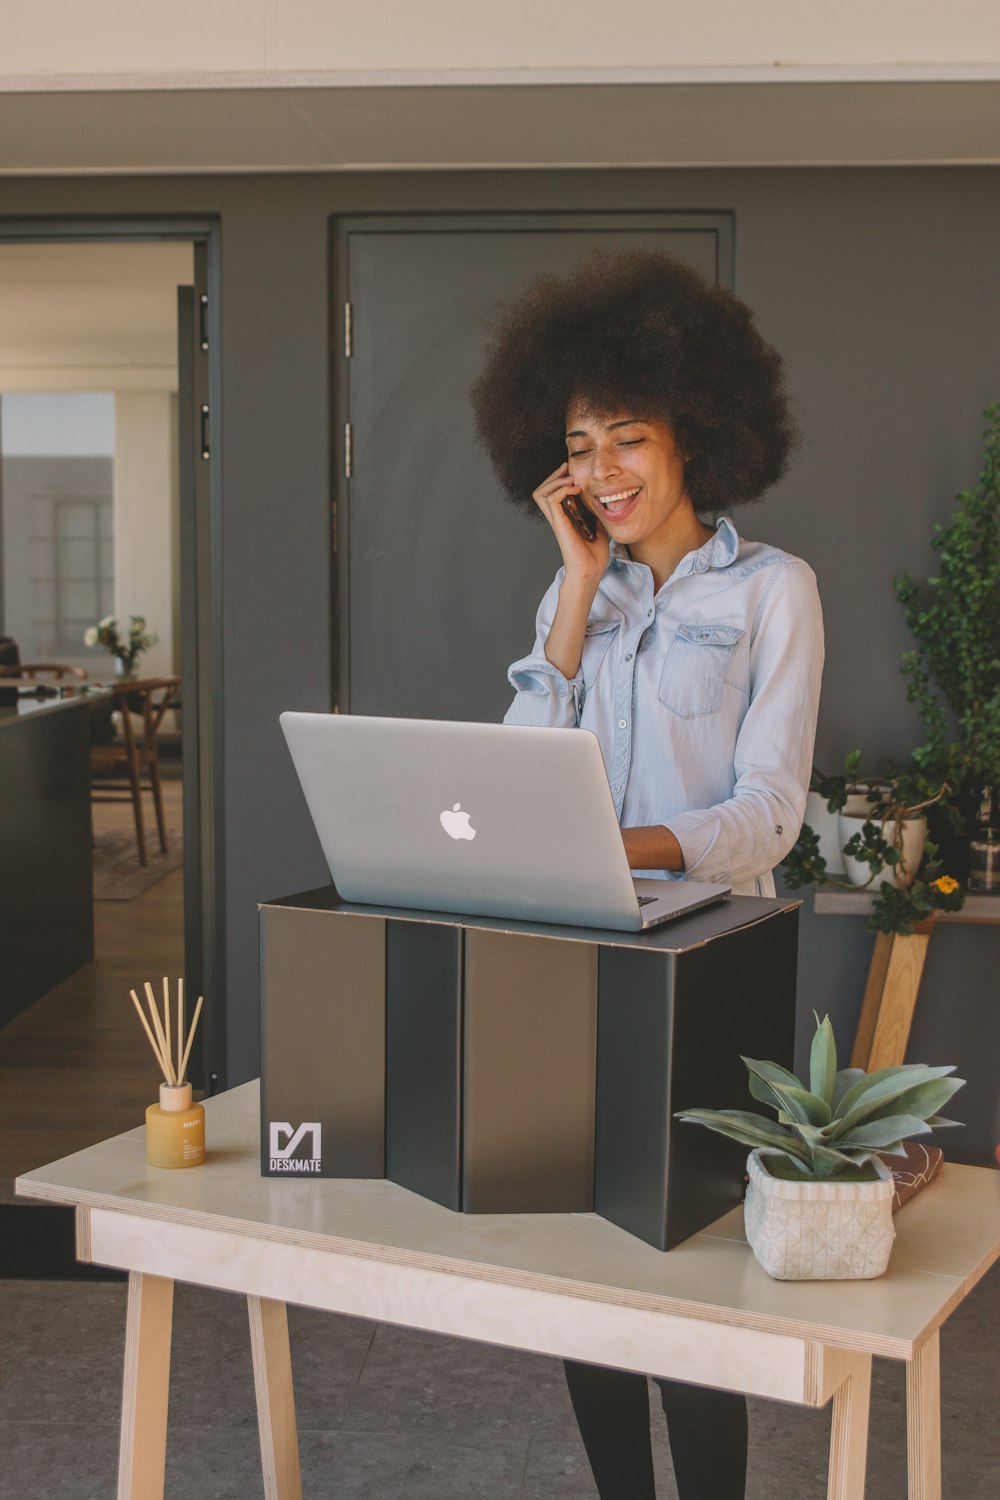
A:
(623, 723)
(616, 790)
(649, 614)
(629, 656)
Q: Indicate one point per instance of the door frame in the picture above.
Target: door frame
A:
(201, 535)
(342, 226)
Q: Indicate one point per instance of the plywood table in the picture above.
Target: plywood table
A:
(895, 972)
(571, 1285)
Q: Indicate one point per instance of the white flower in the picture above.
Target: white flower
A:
(90, 636)
(108, 620)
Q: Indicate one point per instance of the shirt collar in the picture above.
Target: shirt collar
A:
(721, 549)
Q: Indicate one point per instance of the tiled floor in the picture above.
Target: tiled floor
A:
(388, 1414)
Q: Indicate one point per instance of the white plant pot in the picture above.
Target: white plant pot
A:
(813, 1230)
(826, 826)
(914, 839)
(857, 804)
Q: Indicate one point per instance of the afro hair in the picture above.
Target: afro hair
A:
(635, 332)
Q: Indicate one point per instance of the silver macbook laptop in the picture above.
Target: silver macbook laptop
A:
(480, 819)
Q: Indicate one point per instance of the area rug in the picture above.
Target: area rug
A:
(118, 875)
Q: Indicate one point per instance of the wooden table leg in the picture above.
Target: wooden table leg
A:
(849, 1432)
(923, 1421)
(272, 1377)
(142, 1452)
(890, 998)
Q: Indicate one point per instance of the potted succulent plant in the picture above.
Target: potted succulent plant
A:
(819, 1200)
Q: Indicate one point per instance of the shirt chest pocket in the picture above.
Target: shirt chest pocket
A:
(696, 668)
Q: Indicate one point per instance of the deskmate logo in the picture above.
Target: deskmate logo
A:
(286, 1141)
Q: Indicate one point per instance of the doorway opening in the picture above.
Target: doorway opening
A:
(109, 519)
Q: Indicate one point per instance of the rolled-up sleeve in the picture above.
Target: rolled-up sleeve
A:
(544, 697)
(754, 829)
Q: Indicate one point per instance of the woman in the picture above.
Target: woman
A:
(694, 655)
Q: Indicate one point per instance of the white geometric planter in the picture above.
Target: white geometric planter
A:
(819, 1231)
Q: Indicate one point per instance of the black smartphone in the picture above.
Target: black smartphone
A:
(583, 519)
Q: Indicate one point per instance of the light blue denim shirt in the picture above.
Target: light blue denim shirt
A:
(703, 696)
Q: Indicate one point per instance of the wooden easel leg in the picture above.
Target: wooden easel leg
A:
(890, 999)
(272, 1377)
(142, 1453)
(923, 1422)
(870, 1005)
(849, 1433)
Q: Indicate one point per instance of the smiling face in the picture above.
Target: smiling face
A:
(631, 473)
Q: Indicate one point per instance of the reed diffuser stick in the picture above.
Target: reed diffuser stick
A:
(190, 1036)
(180, 1016)
(152, 1039)
(173, 1065)
(167, 1031)
(154, 1016)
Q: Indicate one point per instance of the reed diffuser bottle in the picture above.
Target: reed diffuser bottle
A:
(175, 1127)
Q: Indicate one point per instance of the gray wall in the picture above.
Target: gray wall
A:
(880, 288)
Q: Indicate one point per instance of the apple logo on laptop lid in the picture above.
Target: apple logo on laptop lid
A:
(456, 823)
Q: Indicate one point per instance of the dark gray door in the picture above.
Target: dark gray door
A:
(439, 576)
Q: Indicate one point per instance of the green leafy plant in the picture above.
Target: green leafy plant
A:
(834, 1128)
(953, 675)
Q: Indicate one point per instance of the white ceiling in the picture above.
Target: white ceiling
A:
(90, 316)
(365, 127)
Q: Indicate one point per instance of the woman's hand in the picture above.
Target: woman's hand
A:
(584, 561)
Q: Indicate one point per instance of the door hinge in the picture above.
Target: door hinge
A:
(205, 450)
(347, 330)
(203, 320)
(347, 450)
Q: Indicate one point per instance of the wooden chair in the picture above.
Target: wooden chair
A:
(148, 697)
(36, 671)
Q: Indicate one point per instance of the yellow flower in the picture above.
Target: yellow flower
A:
(945, 884)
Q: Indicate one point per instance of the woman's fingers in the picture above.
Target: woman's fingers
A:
(580, 556)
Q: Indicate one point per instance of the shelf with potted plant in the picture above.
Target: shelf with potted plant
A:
(874, 830)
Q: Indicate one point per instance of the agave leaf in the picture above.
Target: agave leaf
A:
(880, 1134)
(922, 1099)
(788, 1168)
(743, 1125)
(804, 1108)
(763, 1091)
(938, 1122)
(880, 1087)
(772, 1072)
(845, 1079)
(823, 1061)
(827, 1163)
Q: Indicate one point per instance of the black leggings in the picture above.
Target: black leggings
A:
(707, 1431)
